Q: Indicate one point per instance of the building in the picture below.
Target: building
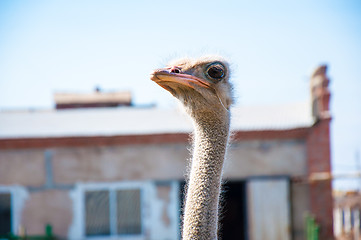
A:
(105, 172)
(347, 209)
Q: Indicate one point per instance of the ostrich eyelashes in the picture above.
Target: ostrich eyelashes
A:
(215, 72)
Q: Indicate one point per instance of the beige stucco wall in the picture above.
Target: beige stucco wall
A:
(145, 162)
(50, 181)
(141, 162)
(265, 158)
(22, 167)
(47, 207)
(169, 161)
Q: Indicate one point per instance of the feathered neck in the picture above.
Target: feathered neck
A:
(202, 199)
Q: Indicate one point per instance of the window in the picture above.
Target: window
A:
(128, 212)
(112, 210)
(123, 206)
(97, 213)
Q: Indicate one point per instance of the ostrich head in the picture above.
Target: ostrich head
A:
(202, 85)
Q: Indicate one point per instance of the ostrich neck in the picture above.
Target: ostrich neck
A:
(209, 149)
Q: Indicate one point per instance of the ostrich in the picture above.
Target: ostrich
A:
(203, 87)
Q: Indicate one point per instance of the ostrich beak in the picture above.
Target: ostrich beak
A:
(164, 76)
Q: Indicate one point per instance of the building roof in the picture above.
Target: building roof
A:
(94, 97)
(142, 121)
(348, 200)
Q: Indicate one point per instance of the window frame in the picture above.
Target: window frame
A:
(80, 193)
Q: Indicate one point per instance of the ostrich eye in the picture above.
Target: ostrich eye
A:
(215, 72)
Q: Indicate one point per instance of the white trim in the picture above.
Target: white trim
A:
(18, 196)
(176, 208)
(160, 229)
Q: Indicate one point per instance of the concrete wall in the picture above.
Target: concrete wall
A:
(169, 161)
(142, 162)
(22, 167)
(47, 207)
(265, 158)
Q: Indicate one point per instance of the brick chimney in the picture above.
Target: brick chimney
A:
(320, 93)
(319, 153)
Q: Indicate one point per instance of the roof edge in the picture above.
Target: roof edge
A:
(28, 143)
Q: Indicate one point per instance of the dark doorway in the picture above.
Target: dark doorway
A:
(234, 216)
(233, 220)
(5, 213)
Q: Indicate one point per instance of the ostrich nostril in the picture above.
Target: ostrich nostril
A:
(175, 69)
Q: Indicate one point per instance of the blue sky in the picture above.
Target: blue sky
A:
(49, 46)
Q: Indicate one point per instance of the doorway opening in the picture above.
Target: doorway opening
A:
(233, 218)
